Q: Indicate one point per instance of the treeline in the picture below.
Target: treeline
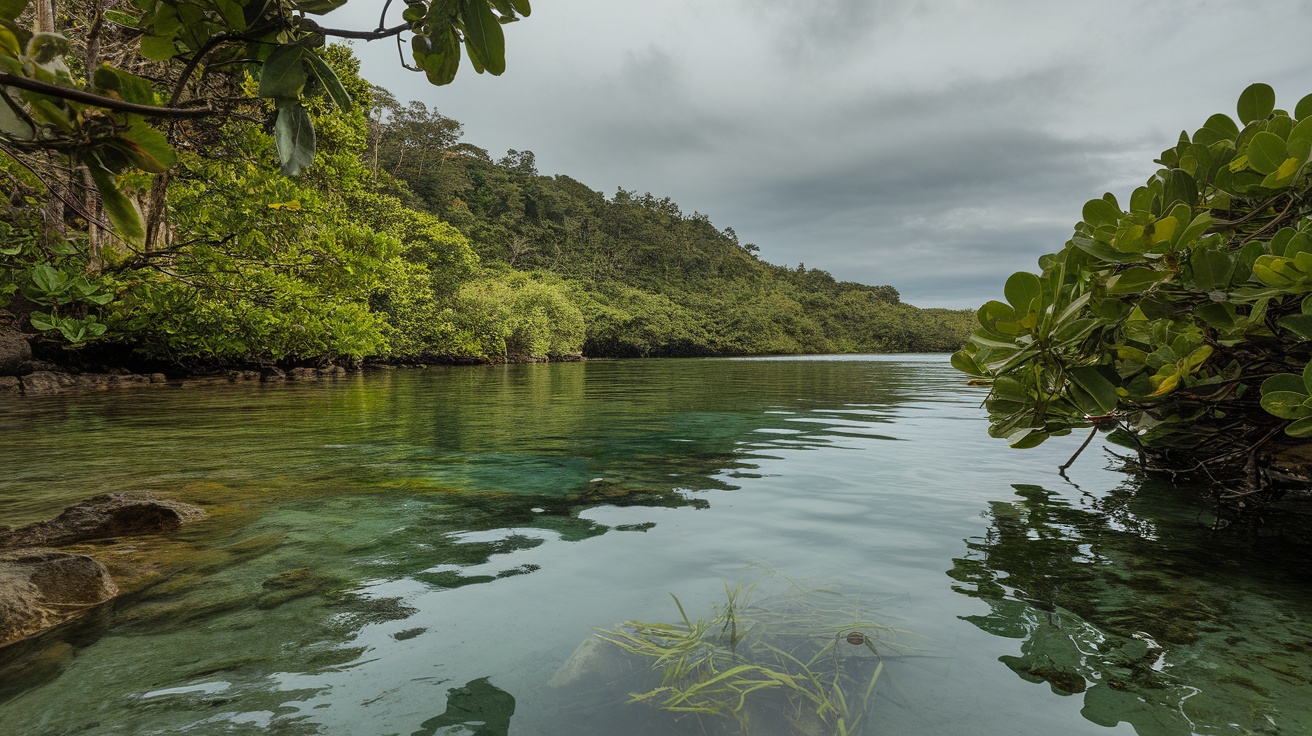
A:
(402, 242)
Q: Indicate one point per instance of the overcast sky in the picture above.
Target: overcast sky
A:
(935, 146)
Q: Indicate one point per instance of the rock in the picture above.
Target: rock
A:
(594, 662)
(303, 374)
(332, 371)
(10, 386)
(108, 515)
(236, 376)
(15, 352)
(127, 378)
(158, 378)
(271, 375)
(40, 588)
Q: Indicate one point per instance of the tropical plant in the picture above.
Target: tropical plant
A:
(805, 657)
(1163, 319)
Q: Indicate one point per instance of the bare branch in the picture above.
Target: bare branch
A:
(90, 98)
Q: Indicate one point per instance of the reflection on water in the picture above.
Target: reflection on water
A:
(1149, 615)
(422, 551)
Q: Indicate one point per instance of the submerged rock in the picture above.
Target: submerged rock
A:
(40, 588)
(101, 517)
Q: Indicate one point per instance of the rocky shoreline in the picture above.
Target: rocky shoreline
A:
(42, 587)
(23, 375)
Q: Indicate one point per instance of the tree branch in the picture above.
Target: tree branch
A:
(309, 25)
(90, 98)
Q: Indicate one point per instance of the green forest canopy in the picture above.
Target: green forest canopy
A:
(174, 235)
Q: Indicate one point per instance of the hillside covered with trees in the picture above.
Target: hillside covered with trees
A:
(171, 237)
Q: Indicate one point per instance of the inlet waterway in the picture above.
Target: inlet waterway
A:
(422, 552)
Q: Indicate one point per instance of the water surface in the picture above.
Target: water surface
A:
(413, 552)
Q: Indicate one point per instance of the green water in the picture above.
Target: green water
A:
(418, 552)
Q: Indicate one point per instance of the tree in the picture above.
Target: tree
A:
(1183, 322)
(178, 60)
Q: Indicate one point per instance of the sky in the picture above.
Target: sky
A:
(934, 146)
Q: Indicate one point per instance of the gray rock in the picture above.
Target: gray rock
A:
(303, 374)
(108, 515)
(46, 382)
(332, 371)
(10, 386)
(272, 375)
(40, 588)
(15, 352)
(236, 376)
(158, 378)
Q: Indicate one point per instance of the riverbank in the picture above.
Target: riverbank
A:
(25, 373)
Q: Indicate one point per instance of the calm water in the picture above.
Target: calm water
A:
(407, 552)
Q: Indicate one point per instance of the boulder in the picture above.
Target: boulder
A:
(101, 517)
(303, 374)
(40, 588)
(10, 386)
(46, 382)
(272, 375)
(15, 352)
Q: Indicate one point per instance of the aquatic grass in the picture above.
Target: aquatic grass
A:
(807, 656)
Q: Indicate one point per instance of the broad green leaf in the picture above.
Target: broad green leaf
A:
(1222, 123)
(1104, 252)
(147, 148)
(483, 36)
(1021, 289)
(1299, 324)
(233, 14)
(11, 9)
(125, 86)
(1301, 428)
(1211, 269)
(1196, 358)
(1101, 212)
(293, 132)
(42, 321)
(1307, 378)
(1096, 384)
(966, 364)
(1300, 140)
(158, 48)
(1134, 280)
(1256, 103)
(1266, 152)
(283, 73)
(1302, 110)
(522, 7)
(1284, 382)
(1194, 230)
(122, 212)
(1285, 404)
(329, 80)
(1283, 175)
(1026, 438)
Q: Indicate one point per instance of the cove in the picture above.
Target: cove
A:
(419, 552)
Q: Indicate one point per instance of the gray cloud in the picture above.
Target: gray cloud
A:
(937, 146)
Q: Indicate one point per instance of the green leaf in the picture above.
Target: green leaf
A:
(1211, 269)
(1299, 324)
(1222, 123)
(1301, 428)
(1300, 140)
(1284, 382)
(329, 80)
(1286, 404)
(483, 36)
(11, 9)
(1256, 103)
(283, 73)
(124, 86)
(148, 149)
(1134, 280)
(522, 7)
(122, 212)
(1266, 152)
(1021, 289)
(158, 48)
(293, 132)
(1302, 110)
(42, 321)
(965, 363)
(1096, 384)
(1099, 212)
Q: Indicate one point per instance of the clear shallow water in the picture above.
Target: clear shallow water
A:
(404, 552)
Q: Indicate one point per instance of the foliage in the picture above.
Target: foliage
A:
(97, 117)
(513, 313)
(1165, 319)
(807, 658)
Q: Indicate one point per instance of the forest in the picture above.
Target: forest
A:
(205, 242)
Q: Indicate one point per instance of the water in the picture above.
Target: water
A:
(419, 552)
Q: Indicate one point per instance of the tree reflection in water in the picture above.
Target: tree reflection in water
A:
(1156, 619)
